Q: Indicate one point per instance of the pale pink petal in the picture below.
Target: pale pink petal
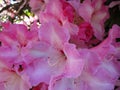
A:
(61, 83)
(53, 33)
(72, 28)
(17, 35)
(37, 6)
(38, 50)
(86, 10)
(38, 71)
(45, 17)
(54, 8)
(8, 38)
(9, 55)
(32, 35)
(75, 63)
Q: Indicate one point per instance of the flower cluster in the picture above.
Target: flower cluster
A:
(67, 51)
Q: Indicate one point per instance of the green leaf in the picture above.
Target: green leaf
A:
(28, 13)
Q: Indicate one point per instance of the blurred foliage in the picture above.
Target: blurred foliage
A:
(15, 10)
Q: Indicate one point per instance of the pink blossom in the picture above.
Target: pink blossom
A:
(97, 74)
(93, 12)
(58, 37)
(9, 79)
(52, 55)
(14, 38)
(54, 33)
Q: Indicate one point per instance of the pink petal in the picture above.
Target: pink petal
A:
(38, 71)
(17, 35)
(75, 63)
(53, 33)
(54, 8)
(86, 10)
(37, 6)
(9, 55)
(61, 83)
(68, 11)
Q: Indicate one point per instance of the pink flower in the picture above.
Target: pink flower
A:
(93, 12)
(58, 37)
(10, 79)
(97, 74)
(14, 38)
(100, 70)
(52, 55)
